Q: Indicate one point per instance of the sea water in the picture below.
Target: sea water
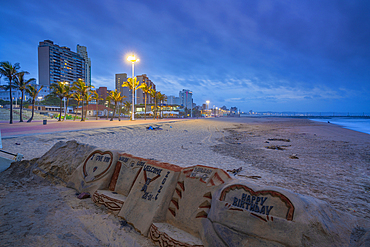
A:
(358, 124)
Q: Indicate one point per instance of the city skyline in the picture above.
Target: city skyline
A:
(260, 56)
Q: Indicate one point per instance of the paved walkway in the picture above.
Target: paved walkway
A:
(36, 127)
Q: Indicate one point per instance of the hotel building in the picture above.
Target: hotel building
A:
(139, 95)
(60, 64)
(186, 98)
(82, 50)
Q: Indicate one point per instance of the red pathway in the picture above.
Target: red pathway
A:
(36, 127)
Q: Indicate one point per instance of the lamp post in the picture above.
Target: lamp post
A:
(207, 105)
(132, 59)
(64, 99)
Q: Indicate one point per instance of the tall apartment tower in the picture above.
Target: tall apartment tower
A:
(173, 100)
(59, 64)
(82, 50)
(139, 94)
(125, 91)
(186, 98)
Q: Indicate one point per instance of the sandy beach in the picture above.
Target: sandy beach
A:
(321, 160)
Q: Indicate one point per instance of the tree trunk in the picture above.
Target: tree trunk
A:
(11, 102)
(33, 110)
(82, 112)
(119, 112)
(96, 110)
(78, 104)
(145, 106)
(155, 109)
(66, 111)
(114, 112)
(60, 110)
(87, 107)
(20, 110)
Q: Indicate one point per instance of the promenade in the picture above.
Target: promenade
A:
(18, 129)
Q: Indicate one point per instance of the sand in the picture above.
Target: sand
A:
(321, 160)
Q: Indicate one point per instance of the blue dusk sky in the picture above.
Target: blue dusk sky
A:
(263, 55)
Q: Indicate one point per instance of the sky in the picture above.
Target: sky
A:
(265, 55)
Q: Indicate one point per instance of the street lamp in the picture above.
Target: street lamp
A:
(133, 60)
(64, 99)
(207, 106)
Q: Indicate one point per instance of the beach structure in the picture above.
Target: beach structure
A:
(60, 64)
(103, 111)
(204, 206)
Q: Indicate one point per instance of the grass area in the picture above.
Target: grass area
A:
(5, 115)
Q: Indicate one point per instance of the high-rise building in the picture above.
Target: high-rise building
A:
(140, 97)
(82, 50)
(102, 92)
(125, 91)
(139, 94)
(59, 64)
(186, 98)
(173, 100)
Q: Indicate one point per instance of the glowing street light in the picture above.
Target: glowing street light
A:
(133, 60)
(64, 99)
(207, 107)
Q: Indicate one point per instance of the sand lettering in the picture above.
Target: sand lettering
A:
(140, 163)
(202, 170)
(152, 169)
(123, 159)
(252, 204)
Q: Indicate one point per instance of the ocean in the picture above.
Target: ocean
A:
(358, 124)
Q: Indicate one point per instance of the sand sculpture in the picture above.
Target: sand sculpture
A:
(204, 206)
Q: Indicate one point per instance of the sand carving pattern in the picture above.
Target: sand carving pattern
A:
(97, 161)
(206, 174)
(113, 181)
(283, 198)
(206, 204)
(180, 187)
(111, 203)
(163, 240)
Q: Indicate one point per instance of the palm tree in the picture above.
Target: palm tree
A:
(87, 99)
(68, 95)
(32, 92)
(80, 87)
(21, 85)
(146, 89)
(127, 106)
(95, 96)
(78, 97)
(153, 94)
(58, 90)
(161, 97)
(116, 97)
(10, 72)
(132, 85)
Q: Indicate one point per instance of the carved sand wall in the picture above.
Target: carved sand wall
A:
(204, 206)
